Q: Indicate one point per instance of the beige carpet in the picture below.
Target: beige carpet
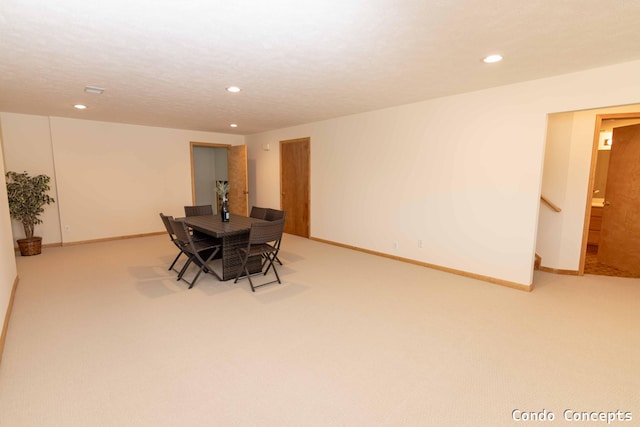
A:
(103, 335)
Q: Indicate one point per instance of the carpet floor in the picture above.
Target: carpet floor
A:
(103, 335)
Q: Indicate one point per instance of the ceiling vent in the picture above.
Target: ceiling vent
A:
(94, 89)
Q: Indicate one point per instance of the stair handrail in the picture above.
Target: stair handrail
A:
(550, 204)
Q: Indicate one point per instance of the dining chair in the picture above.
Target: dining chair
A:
(260, 237)
(198, 210)
(166, 220)
(257, 212)
(273, 215)
(200, 251)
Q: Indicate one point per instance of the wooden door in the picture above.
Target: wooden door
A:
(295, 158)
(238, 187)
(620, 230)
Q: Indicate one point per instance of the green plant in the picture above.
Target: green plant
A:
(27, 197)
(222, 188)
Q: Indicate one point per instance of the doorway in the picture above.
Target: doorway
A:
(610, 245)
(208, 165)
(295, 165)
(211, 163)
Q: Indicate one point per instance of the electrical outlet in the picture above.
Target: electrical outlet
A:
(420, 243)
(395, 245)
(67, 228)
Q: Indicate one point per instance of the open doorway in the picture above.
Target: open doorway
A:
(568, 180)
(609, 242)
(211, 163)
(208, 165)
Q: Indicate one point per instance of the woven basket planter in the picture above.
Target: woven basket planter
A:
(32, 246)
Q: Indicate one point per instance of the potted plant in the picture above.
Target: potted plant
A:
(222, 188)
(27, 197)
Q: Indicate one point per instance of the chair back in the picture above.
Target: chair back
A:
(274, 214)
(166, 220)
(198, 210)
(180, 230)
(260, 213)
(264, 232)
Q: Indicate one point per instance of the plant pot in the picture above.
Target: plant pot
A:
(32, 246)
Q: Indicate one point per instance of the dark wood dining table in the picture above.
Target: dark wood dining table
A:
(233, 234)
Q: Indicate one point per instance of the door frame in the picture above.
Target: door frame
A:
(193, 175)
(592, 179)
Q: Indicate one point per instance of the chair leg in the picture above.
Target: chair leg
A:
(267, 260)
(277, 252)
(242, 267)
(270, 264)
(275, 258)
(195, 278)
(184, 268)
(271, 259)
(275, 255)
(246, 271)
(277, 275)
(203, 267)
(174, 261)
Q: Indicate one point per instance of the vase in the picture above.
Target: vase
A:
(224, 211)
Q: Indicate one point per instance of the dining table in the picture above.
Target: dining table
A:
(234, 234)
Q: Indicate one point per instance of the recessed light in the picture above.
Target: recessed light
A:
(492, 58)
(233, 125)
(233, 89)
(80, 106)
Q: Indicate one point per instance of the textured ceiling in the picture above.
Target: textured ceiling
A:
(167, 62)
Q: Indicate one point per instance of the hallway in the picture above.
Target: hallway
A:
(592, 266)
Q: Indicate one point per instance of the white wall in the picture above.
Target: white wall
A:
(112, 179)
(554, 187)
(462, 173)
(27, 148)
(565, 182)
(8, 270)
